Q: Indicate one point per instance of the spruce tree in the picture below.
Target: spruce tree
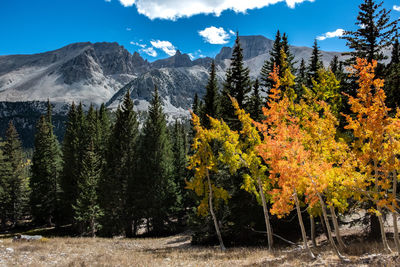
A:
(45, 169)
(180, 172)
(87, 210)
(301, 78)
(286, 48)
(18, 183)
(274, 60)
(375, 33)
(71, 158)
(156, 168)
(392, 79)
(315, 64)
(237, 85)
(256, 103)
(211, 98)
(119, 175)
(5, 177)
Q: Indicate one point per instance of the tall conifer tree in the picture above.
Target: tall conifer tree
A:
(237, 85)
(18, 183)
(156, 168)
(46, 168)
(211, 98)
(120, 172)
(375, 33)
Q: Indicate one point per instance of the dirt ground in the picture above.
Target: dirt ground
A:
(177, 251)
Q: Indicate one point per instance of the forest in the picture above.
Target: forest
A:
(302, 151)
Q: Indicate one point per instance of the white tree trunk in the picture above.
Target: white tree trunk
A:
(210, 203)
(312, 223)
(266, 215)
(303, 231)
(339, 239)
(383, 234)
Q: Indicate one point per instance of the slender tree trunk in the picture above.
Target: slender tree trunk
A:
(303, 231)
(210, 203)
(92, 228)
(324, 226)
(394, 214)
(328, 227)
(266, 215)
(383, 234)
(312, 230)
(339, 239)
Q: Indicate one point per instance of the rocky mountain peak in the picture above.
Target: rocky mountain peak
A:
(253, 45)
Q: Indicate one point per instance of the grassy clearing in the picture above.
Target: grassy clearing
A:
(175, 251)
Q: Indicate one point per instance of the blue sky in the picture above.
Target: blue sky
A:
(156, 28)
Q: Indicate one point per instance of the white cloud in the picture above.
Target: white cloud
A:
(337, 33)
(127, 3)
(165, 46)
(397, 8)
(108, 1)
(174, 9)
(150, 51)
(191, 56)
(214, 35)
(138, 44)
(129, 29)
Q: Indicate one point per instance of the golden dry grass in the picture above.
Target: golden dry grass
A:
(174, 251)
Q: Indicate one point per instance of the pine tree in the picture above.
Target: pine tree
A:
(156, 168)
(180, 172)
(255, 103)
(71, 168)
(116, 187)
(46, 168)
(268, 67)
(237, 85)
(196, 106)
(375, 32)
(18, 184)
(315, 64)
(211, 98)
(286, 48)
(5, 177)
(392, 83)
(87, 211)
(301, 78)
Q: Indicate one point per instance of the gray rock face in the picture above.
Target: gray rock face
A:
(176, 61)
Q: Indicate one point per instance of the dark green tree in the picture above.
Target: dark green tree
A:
(72, 148)
(180, 172)
(5, 177)
(45, 169)
(375, 33)
(18, 182)
(315, 64)
(392, 79)
(87, 210)
(157, 168)
(237, 85)
(301, 78)
(115, 188)
(211, 98)
(268, 67)
(256, 103)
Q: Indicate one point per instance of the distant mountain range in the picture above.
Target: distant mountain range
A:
(103, 72)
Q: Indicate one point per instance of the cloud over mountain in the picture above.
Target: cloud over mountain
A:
(214, 35)
(174, 9)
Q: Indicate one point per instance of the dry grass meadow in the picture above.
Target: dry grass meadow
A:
(177, 251)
